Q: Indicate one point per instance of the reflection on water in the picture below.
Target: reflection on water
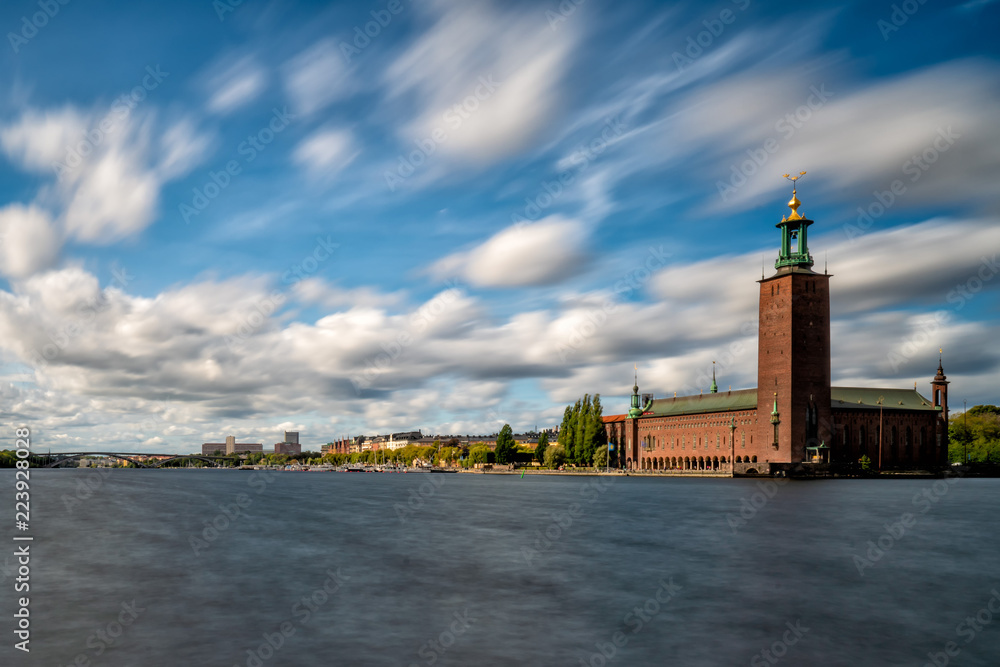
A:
(210, 567)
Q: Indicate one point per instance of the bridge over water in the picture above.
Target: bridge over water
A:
(56, 459)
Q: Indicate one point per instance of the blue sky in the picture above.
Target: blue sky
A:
(221, 218)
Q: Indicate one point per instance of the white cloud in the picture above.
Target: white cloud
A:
(491, 79)
(29, 241)
(316, 78)
(326, 151)
(109, 181)
(235, 84)
(40, 139)
(850, 138)
(530, 254)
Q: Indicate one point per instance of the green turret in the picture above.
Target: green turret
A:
(636, 410)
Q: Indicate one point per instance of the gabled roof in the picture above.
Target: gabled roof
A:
(741, 399)
(868, 397)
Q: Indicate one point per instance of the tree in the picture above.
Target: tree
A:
(505, 445)
(600, 457)
(480, 454)
(555, 456)
(977, 432)
(582, 431)
(543, 443)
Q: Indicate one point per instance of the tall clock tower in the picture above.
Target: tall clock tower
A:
(793, 365)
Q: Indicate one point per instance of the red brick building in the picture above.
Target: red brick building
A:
(793, 416)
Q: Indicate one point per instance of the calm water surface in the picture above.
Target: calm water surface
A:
(394, 569)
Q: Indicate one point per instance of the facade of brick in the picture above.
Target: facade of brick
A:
(794, 415)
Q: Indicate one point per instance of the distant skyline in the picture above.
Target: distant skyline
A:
(360, 218)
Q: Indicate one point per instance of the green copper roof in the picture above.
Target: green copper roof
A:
(742, 399)
(746, 399)
(868, 397)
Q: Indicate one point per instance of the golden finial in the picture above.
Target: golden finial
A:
(794, 202)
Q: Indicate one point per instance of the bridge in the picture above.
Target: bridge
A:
(133, 458)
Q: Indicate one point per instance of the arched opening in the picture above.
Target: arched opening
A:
(753, 459)
(739, 459)
(715, 463)
(752, 471)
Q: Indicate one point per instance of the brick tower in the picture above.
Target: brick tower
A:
(793, 363)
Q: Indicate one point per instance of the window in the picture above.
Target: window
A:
(743, 439)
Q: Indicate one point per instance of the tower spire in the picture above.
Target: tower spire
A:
(793, 228)
(714, 388)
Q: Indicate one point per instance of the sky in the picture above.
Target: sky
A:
(365, 217)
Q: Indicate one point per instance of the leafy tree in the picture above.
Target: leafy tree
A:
(978, 432)
(505, 445)
(480, 454)
(600, 457)
(555, 456)
(582, 430)
(543, 443)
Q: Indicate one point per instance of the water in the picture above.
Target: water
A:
(458, 570)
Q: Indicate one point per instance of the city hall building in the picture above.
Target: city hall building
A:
(793, 416)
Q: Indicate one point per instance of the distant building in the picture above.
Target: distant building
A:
(342, 446)
(290, 448)
(230, 446)
(291, 437)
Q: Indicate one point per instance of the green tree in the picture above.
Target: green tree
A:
(480, 454)
(600, 457)
(977, 432)
(555, 456)
(505, 445)
(543, 443)
(582, 431)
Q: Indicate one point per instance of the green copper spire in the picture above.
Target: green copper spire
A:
(774, 413)
(714, 388)
(635, 410)
(794, 228)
